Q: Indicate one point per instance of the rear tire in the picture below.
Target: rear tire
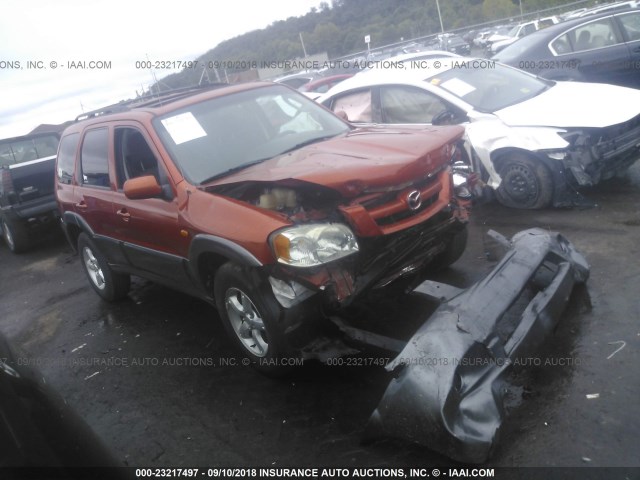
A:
(526, 182)
(111, 286)
(15, 235)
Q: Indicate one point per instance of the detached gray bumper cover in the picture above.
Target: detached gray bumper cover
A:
(448, 394)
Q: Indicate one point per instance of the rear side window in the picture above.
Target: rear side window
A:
(67, 157)
(631, 24)
(95, 158)
(593, 35)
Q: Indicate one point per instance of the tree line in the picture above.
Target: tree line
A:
(339, 29)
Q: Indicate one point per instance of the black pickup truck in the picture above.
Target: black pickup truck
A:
(27, 199)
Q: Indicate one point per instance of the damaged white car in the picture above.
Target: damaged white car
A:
(533, 141)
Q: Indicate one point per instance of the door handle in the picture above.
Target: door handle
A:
(124, 214)
(81, 205)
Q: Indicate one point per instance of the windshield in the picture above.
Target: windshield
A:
(488, 86)
(215, 137)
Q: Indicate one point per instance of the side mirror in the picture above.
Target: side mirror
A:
(142, 187)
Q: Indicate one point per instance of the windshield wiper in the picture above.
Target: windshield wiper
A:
(233, 170)
(309, 142)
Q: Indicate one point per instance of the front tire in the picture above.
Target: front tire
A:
(251, 316)
(15, 236)
(526, 182)
(111, 286)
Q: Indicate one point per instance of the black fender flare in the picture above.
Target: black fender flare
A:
(205, 243)
(72, 218)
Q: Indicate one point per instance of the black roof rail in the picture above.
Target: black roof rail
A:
(150, 100)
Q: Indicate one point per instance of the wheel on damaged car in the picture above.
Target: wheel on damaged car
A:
(526, 182)
(111, 286)
(250, 314)
(15, 236)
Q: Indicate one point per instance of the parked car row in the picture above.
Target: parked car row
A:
(498, 40)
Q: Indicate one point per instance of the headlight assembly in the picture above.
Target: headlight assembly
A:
(313, 244)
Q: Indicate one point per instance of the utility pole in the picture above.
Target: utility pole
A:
(440, 15)
(304, 50)
(521, 14)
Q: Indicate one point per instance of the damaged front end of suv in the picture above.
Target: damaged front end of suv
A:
(363, 227)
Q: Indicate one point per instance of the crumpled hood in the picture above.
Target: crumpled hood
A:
(575, 104)
(365, 158)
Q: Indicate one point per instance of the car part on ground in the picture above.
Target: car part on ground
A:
(27, 200)
(549, 138)
(448, 385)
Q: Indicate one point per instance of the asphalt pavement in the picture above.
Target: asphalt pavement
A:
(158, 381)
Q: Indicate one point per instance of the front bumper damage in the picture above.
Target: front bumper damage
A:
(448, 389)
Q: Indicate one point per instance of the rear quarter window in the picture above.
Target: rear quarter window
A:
(67, 157)
(631, 25)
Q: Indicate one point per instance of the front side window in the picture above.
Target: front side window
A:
(409, 105)
(134, 158)
(527, 29)
(356, 106)
(94, 158)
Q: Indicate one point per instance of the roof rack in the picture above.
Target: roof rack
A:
(149, 100)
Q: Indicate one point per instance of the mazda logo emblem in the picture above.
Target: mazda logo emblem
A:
(413, 200)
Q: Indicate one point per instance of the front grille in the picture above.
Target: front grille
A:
(383, 213)
(405, 214)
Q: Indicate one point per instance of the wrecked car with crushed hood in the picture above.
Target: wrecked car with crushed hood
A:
(260, 201)
(282, 215)
(536, 142)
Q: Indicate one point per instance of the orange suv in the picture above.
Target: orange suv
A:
(260, 201)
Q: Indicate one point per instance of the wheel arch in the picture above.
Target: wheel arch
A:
(72, 226)
(209, 252)
(499, 156)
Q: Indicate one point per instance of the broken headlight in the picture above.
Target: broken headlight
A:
(314, 244)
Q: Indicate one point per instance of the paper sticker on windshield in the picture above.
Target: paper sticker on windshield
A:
(183, 127)
(458, 87)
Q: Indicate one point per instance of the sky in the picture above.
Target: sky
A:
(58, 59)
